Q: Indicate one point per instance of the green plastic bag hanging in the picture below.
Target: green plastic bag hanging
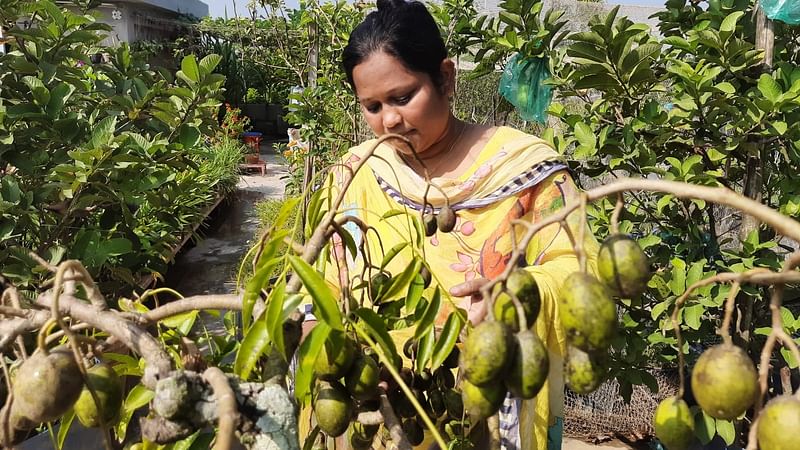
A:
(522, 84)
(787, 11)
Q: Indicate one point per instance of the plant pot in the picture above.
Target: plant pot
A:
(252, 139)
(251, 158)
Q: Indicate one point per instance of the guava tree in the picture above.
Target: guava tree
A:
(696, 105)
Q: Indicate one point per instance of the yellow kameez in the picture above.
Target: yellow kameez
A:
(481, 244)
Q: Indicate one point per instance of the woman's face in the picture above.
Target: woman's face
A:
(396, 100)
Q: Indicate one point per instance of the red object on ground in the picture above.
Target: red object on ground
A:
(252, 140)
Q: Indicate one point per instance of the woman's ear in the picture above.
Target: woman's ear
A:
(448, 69)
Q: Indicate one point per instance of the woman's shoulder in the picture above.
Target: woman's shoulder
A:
(511, 142)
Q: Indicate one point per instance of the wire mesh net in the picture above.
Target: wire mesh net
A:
(603, 414)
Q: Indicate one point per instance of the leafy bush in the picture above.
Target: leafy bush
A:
(100, 161)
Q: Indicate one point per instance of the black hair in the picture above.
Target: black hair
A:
(403, 29)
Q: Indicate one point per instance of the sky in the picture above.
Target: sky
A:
(216, 8)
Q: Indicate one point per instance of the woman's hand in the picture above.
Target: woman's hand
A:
(474, 303)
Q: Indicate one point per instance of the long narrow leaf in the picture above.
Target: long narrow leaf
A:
(306, 357)
(415, 290)
(392, 253)
(275, 314)
(425, 349)
(255, 342)
(252, 291)
(326, 307)
(447, 339)
(401, 281)
(378, 331)
(425, 324)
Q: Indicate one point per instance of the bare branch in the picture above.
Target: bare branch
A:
(226, 405)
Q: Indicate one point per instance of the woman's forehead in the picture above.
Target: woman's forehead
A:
(384, 74)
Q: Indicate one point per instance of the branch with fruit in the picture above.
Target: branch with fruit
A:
(449, 390)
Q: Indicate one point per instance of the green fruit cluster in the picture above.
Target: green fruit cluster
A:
(496, 361)
(589, 314)
(444, 221)
(48, 384)
(347, 379)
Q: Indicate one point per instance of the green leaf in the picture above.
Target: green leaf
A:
(585, 136)
(705, 427)
(209, 63)
(326, 307)
(138, 397)
(306, 357)
(103, 132)
(392, 253)
(769, 88)
(649, 241)
(65, 426)
(677, 283)
(252, 292)
(377, 329)
(189, 136)
(447, 339)
(789, 358)
(659, 309)
(58, 98)
(255, 342)
(728, 25)
(692, 315)
(183, 322)
(274, 313)
(726, 431)
(425, 349)
(400, 282)
(429, 316)
(190, 69)
(415, 290)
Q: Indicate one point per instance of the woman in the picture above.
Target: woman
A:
(397, 65)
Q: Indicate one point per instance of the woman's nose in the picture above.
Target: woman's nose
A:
(391, 119)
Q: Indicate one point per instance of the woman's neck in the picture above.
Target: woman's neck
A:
(448, 154)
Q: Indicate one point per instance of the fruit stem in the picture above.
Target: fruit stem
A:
(154, 292)
(226, 406)
(523, 321)
(582, 234)
(724, 329)
(344, 275)
(403, 386)
(615, 215)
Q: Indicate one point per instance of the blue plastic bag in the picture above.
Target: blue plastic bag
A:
(522, 84)
(787, 11)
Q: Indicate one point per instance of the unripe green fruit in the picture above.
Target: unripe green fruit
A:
(674, 424)
(779, 423)
(413, 431)
(429, 224)
(724, 381)
(332, 408)
(481, 402)
(623, 266)
(46, 386)
(378, 285)
(446, 219)
(584, 371)
(454, 403)
(487, 352)
(588, 314)
(335, 358)
(108, 388)
(521, 284)
(362, 379)
(530, 366)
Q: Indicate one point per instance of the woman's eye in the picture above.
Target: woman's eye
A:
(403, 100)
(372, 109)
